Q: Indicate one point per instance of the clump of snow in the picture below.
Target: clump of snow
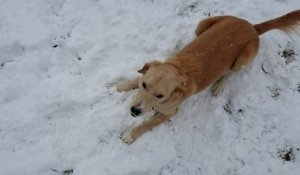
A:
(60, 114)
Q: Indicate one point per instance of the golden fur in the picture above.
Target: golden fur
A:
(223, 44)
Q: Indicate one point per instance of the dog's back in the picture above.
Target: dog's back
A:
(214, 52)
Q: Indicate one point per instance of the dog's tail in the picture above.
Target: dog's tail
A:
(285, 23)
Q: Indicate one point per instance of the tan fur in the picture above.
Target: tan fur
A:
(223, 44)
(286, 23)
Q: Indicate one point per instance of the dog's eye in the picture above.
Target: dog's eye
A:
(159, 96)
(144, 85)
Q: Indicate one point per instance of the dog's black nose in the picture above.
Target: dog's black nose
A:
(135, 111)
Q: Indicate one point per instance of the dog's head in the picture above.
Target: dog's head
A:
(158, 84)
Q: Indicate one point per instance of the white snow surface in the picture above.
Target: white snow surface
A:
(59, 109)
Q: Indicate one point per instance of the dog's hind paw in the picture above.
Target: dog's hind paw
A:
(217, 89)
(127, 138)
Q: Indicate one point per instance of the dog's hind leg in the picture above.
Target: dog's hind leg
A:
(218, 86)
(207, 23)
(246, 55)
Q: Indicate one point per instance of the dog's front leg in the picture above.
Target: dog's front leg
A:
(128, 85)
(130, 135)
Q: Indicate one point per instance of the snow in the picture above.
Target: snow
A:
(59, 109)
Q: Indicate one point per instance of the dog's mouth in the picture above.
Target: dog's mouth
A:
(133, 115)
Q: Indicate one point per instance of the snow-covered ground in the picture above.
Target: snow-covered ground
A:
(61, 114)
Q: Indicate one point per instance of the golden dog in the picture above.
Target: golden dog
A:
(223, 44)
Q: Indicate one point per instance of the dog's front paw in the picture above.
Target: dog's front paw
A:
(125, 86)
(127, 137)
(122, 87)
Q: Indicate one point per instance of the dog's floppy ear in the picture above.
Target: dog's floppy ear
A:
(148, 65)
(182, 81)
(177, 93)
(144, 69)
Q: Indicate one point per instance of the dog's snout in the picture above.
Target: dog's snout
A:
(135, 111)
